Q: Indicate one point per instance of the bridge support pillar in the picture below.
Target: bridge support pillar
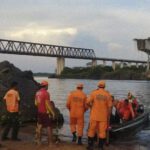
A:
(144, 65)
(104, 63)
(129, 65)
(137, 65)
(94, 63)
(148, 63)
(121, 64)
(114, 65)
(60, 65)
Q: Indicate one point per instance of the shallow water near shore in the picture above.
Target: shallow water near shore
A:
(60, 88)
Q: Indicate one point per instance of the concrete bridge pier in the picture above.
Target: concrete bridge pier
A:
(144, 65)
(137, 65)
(104, 63)
(60, 65)
(114, 65)
(148, 63)
(94, 63)
(129, 64)
(122, 64)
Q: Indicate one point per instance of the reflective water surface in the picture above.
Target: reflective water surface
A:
(60, 88)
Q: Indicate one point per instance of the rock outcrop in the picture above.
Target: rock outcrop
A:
(27, 88)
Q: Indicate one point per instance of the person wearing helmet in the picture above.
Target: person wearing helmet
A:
(100, 101)
(12, 100)
(45, 112)
(76, 104)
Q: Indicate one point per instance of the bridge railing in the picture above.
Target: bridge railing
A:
(37, 49)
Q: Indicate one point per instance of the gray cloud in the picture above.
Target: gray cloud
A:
(106, 26)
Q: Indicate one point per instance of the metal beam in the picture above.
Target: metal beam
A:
(37, 49)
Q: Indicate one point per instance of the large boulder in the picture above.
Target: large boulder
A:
(27, 87)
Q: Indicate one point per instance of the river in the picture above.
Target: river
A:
(60, 88)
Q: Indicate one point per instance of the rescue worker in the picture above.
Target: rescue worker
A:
(100, 101)
(45, 113)
(76, 104)
(12, 100)
(125, 110)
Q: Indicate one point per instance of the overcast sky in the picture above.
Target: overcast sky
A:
(107, 26)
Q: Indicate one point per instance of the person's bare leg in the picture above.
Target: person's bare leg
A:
(49, 132)
(39, 130)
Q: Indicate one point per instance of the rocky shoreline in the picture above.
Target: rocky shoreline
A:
(27, 88)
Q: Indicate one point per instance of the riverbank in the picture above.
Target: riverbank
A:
(107, 72)
(62, 146)
(27, 143)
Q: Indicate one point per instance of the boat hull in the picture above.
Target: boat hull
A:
(131, 127)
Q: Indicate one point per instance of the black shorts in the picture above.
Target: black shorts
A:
(44, 119)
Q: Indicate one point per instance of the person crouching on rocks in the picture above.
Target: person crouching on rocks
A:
(45, 113)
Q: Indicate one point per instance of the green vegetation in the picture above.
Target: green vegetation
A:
(40, 74)
(100, 72)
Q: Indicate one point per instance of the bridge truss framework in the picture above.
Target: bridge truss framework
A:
(61, 52)
(37, 49)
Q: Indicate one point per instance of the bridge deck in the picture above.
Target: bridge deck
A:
(37, 49)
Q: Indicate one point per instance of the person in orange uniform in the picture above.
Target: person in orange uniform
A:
(45, 112)
(12, 100)
(76, 104)
(100, 101)
(125, 110)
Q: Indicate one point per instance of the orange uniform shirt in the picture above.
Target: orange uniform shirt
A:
(122, 107)
(101, 101)
(12, 100)
(76, 103)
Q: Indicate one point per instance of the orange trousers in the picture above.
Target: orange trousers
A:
(101, 126)
(77, 124)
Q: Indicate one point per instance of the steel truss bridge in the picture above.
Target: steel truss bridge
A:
(61, 52)
(37, 49)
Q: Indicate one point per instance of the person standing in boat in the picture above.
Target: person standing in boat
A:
(100, 101)
(76, 104)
